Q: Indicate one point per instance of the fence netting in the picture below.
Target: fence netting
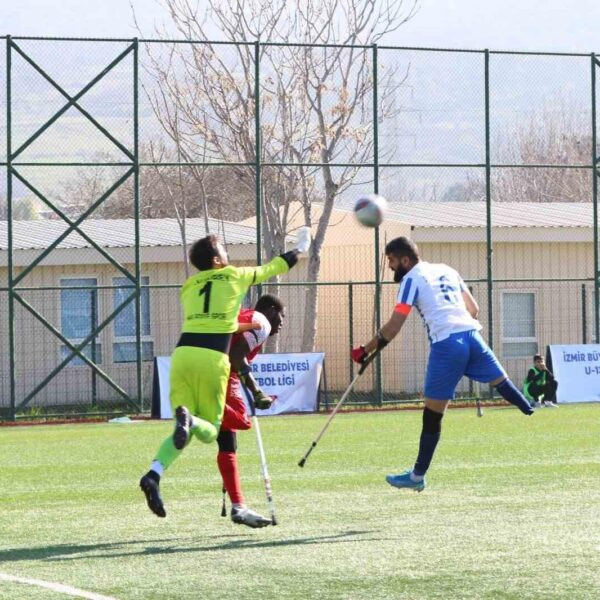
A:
(116, 155)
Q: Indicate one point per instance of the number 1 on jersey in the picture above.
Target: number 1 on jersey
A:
(206, 292)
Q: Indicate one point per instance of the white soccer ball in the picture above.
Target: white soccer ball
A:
(370, 210)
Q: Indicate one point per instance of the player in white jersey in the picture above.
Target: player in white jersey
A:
(449, 312)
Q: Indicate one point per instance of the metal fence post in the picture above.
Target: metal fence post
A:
(11, 292)
(378, 369)
(471, 385)
(350, 328)
(583, 314)
(594, 64)
(136, 221)
(488, 204)
(94, 358)
(488, 208)
(257, 151)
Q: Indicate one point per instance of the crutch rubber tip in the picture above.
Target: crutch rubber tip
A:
(223, 512)
(301, 463)
(273, 521)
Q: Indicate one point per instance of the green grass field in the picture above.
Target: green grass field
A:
(512, 510)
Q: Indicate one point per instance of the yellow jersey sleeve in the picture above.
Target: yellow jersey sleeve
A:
(211, 300)
(255, 275)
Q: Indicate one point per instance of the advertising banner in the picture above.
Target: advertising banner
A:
(292, 378)
(577, 370)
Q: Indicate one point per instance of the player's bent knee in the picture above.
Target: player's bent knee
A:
(438, 406)
(227, 441)
(207, 433)
(209, 438)
(498, 381)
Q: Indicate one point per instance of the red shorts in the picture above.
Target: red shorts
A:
(235, 416)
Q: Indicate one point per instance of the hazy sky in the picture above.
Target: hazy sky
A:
(496, 24)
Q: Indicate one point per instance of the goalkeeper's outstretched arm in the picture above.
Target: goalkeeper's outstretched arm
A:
(280, 264)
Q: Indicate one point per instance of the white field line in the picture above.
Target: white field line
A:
(55, 587)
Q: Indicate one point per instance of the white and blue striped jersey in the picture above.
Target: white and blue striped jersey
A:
(435, 290)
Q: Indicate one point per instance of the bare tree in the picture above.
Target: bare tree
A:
(555, 138)
(23, 209)
(164, 190)
(558, 137)
(78, 192)
(315, 101)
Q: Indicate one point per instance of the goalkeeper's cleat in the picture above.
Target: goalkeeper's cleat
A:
(403, 480)
(150, 487)
(245, 516)
(181, 435)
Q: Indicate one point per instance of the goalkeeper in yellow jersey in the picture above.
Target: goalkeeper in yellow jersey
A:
(211, 301)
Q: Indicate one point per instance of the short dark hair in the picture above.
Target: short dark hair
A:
(402, 246)
(537, 357)
(267, 301)
(203, 251)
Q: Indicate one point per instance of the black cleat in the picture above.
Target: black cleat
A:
(150, 487)
(181, 435)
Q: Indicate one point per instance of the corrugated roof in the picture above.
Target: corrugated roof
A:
(119, 233)
(504, 214)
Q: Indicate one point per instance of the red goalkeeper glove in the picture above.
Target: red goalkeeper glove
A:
(359, 355)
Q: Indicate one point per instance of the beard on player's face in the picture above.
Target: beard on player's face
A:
(399, 273)
(396, 266)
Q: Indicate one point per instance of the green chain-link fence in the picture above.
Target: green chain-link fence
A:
(113, 152)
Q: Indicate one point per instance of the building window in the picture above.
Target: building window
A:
(125, 351)
(124, 346)
(79, 316)
(518, 325)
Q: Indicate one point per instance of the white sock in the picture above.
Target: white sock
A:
(157, 468)
(416, 478)
(238, 506)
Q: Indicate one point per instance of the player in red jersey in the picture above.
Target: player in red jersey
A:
(265, 320)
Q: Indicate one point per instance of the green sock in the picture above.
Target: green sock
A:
(204, 430)
(167, 452)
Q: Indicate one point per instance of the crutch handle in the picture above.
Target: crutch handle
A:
(368, 361)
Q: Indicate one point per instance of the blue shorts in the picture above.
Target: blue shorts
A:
(464, 353)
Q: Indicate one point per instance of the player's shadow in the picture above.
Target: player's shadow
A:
(242, 543)
(61, 552)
